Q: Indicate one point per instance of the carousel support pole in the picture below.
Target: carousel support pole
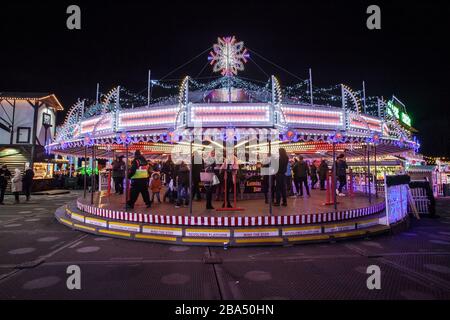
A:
(234, 192)
(149, 86)
(97, 93)
(126, 176)
(310, 87)
(375, 175)
(365, 170)
(329, 188)
(364, 96)
(110, 175)
(334, 177)
(368, 173)
(92, 175)
(350, 184)
(109, 183)
(191, 198)
(85, 172)
(70, 165)
(270, 181)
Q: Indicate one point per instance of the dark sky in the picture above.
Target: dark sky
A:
(120, 41)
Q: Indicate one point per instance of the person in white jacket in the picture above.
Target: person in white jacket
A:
(16, 184)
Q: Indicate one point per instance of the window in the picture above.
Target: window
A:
(23, 135)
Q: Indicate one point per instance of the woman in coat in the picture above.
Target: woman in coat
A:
(16, 184)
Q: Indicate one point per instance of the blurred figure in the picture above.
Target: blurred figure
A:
(182, 179)
(118, 174)
(265, 180)
(323, 171)
(280, 178)
(168, 170)
(16, 184)
(302, 174)
(313, 170)
(4, 176)
(296, 177)
(289, 179)
(27, 182)
(196, 169)
(210, 164)
(229, 170)
(341, 173)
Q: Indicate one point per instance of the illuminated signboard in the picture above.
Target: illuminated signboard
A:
(243, 115)
(405, 119)
(394, 111)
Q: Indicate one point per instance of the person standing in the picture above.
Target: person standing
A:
(139, 174)
(295, 174)
(302, 174)
(265, 179)
(288, 174)
(280, 178)
(168, 170)
(27, 182)
(323, 171)
(196, 169)
(182, 178)
(228, 170)
(16, 184)
(210, 164)
(313, 175)
(155, 186)
(341, 173)
(118, 174)
(4, 176)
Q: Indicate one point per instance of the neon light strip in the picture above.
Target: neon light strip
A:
(104, 125)
(310, 116)
(147, 117)
(227, 113)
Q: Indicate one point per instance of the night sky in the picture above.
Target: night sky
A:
(120, 41)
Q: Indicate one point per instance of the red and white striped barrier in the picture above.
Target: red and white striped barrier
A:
(244, 221)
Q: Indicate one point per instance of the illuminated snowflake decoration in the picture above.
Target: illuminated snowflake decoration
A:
(228, 56)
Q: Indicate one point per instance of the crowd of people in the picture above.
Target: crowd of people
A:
(293, 177)
(21, 182)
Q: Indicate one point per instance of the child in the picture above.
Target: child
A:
(155, 186)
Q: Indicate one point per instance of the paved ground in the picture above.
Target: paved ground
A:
(35, 252)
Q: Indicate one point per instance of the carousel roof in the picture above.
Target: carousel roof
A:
(232, 107)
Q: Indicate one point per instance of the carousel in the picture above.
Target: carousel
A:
(249, 121)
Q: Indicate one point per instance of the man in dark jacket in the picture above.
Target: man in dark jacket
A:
(182, 179)
(341, 173)
(280, 178)
(27, 182)
(118, 174)
(5, 175)
(323, 171)
(139, 175)
(302, 173)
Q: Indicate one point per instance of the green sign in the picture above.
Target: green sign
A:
(88, 170)
(394, 111)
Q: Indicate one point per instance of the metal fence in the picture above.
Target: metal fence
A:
(421, 200)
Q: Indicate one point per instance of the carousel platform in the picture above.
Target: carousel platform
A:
(303, 220)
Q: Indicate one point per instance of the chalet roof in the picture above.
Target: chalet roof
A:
(49, 98)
